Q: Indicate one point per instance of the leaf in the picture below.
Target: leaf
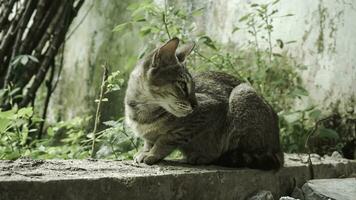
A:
(269, 27)
(198, 12)
(277, 55)
(14, 91)
(121, 27)
(138, 12)
(24, 137)
(309, 108)
(315, 114)
(280, 43)
(50, 131)
(15, 61)
(300, 91)
(42, 148)
(24, 60)
(141, 19)
(290, 42)
(33, 58)
(133, 6)
(4, 125)
(25, 112)
(276, 1)
(10, 114)
(264, 6)
(328, 133)
(111, 123)
(302, 67)
(274, 12)
(254, 5)
(145, 30)
(235, 29)
(292, 117)
(245, 17)
(208, 42)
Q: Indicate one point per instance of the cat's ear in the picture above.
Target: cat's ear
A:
(184, 51)
(166, 53)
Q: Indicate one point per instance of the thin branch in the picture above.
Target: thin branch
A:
(8, 8)
(164, 19)
(40, 14)
(49, 85)
(130, 138)
(208, 59)
(25, 18)
(41, 38)
(58, 37)
(98, 107)
(306, 145)
(60, 68)
(53, 31)
(80, 22)
(315, 128)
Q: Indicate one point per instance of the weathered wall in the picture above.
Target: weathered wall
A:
(92, 44)
(324, 31)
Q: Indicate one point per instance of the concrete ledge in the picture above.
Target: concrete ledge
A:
(339, 189)
(100, 179)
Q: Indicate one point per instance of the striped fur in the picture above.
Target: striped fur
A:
(212, 118)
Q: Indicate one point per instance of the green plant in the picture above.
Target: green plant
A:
(14, 131)
(64, 139)
(110, 83)
(117, 141)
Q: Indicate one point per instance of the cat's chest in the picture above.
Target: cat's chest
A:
(149, 131)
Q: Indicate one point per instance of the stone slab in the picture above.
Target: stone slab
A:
(330, 189)
(105, 179)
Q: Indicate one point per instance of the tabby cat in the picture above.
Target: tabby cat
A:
(212, 118)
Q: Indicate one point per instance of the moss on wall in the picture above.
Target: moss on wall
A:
(93, 44)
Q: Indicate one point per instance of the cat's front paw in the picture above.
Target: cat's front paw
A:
(151, 159)
(146, 157)
(140, 156)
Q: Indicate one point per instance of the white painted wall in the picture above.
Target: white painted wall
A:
(91, 45)
(331, 73)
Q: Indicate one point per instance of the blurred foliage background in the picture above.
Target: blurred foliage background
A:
(25, 131)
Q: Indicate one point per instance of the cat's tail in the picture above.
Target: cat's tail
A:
(257, 160)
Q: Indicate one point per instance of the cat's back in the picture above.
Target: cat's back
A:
(215, 84)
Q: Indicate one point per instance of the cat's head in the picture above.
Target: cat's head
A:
(168, 79)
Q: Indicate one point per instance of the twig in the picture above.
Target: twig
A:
(130, 138)
(40, 14)
(315, 128)
(208, 59)
(80, 22)
(59, 29)
(60, 68)
(97, 114)
(269, 37)
(20, 29)
(164, 19)
(49, 85)
(5, 15)
(306, 145)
